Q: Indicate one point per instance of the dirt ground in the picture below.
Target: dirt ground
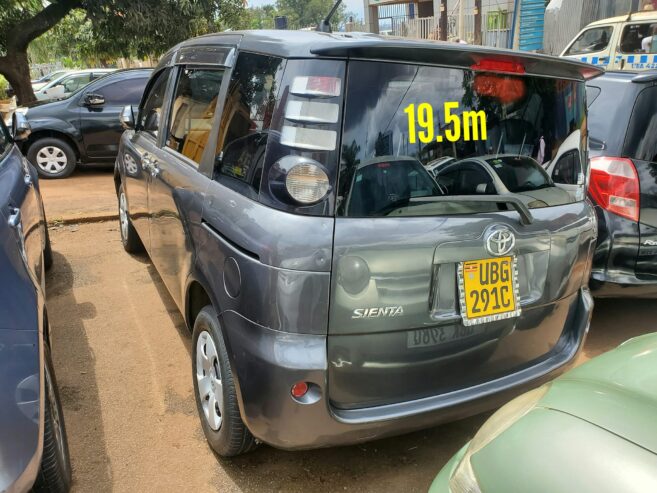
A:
(122, 358)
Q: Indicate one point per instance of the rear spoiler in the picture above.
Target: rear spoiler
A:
(457, 55)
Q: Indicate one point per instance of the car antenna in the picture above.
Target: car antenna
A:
(325, 25)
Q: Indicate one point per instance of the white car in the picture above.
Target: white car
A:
(42, 81)
(70, 82)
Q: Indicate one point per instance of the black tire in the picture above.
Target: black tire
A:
(232, 437)
(129, 237)
(55, 473)
(47, 251)
(63, 157)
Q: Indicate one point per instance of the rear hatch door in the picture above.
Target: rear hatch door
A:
(443, 284)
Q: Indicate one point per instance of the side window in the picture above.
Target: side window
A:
(473, 180)
(150, 114)
(76, 82)
(123, 92)
(638, 38)
(245, 122)
(194, 103)
(567, 169)
(591, 40)
(448, 179)
(641, 138)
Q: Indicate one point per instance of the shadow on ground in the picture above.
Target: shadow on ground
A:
(76, 375)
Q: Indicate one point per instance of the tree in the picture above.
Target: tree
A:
(120, 27)
(309, 13)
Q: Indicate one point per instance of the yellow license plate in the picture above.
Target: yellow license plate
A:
(488, 290)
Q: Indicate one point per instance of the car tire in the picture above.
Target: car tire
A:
(52, 157)
(47, 251)
(129, 237)
(217, 403)
(55, 474)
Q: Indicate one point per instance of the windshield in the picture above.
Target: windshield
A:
(411, 117)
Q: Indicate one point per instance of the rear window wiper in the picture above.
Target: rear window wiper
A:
(520, 207)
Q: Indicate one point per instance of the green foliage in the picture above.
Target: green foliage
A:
(299, 13)
(4, 85)
(308, 13)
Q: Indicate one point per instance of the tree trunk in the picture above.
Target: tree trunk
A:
(16, 69)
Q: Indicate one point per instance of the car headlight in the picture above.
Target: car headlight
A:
(464, 479)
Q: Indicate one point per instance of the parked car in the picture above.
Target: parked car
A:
(501, 174)
(33, 448)
(69, 82)
(336, 294)
(432, 166)
(623, 186)
(589, 431)
(626, 42)
(42, 81)
(83, 128)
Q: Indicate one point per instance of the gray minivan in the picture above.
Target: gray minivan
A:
(338, 292)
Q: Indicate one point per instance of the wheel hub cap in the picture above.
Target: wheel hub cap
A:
(208, 377)
(123, 215)
(51, 159)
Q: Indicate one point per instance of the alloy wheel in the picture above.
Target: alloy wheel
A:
(208, 377)
(123, 216)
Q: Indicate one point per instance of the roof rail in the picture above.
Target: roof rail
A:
(645, 77)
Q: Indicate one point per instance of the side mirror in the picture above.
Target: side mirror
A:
(20, 127)
(91, 99)
(127, 118)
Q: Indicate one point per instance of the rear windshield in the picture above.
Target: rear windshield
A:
(500, 130)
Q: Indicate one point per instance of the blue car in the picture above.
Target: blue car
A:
(33, 449)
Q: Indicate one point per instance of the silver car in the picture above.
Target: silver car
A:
(336, 291)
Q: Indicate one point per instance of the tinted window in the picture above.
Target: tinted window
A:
(150, 115)
(466, 178)
(245, 121)
(192, 112)
(591, 40)
(424, 113)
(641, 139)
(123, 92)
(567, 169)
(638, 38)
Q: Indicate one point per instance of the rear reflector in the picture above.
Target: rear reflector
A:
(309, 138)
(312, 111)
(316, 86)
(503, 66)
(299, 389)
(615, 186)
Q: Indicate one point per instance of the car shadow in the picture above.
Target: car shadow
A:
(74, 363)
(406, 463)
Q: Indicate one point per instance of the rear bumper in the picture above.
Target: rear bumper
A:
(267, 363)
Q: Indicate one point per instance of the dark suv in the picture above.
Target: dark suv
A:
(337, 291)
(83, 127)
(623, 186)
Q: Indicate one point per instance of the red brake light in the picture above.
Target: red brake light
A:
(504, 66)
(316, 86)
(615, 186)
(506, 89)
(299, 389)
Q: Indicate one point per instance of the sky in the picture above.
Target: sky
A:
(355, 6)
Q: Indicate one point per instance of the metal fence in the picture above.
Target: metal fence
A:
(495, 27)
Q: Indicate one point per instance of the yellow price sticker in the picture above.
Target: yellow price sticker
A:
(469, 125)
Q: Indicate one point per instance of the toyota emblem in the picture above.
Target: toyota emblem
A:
(500, 242)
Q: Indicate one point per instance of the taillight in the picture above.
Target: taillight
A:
(321, 86)
(615, 186)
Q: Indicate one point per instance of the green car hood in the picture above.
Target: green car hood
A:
(548, 451)
(616, 391)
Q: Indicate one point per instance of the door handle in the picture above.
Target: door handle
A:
(15, 218)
